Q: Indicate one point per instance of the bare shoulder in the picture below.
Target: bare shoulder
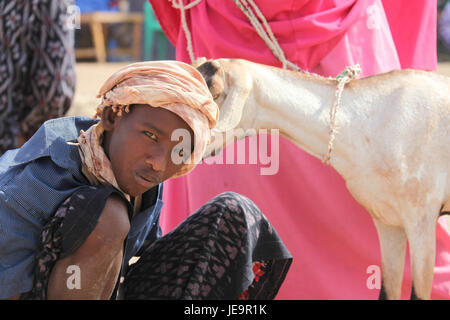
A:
(116, 203)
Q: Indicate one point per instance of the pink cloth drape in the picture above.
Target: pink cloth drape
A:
(332, 238)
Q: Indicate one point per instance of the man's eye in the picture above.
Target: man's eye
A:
(150, 135)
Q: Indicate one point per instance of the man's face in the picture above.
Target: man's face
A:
(139, 146)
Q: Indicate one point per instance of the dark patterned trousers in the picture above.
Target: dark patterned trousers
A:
(225, 250)
(37, 65)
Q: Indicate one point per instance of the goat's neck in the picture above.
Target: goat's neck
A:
(299, 106)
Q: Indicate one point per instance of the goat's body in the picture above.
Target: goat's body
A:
(392, 148)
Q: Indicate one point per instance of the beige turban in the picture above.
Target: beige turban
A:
(172, 85)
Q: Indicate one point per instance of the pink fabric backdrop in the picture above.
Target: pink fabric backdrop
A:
(332, 238)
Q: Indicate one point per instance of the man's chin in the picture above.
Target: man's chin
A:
(136, 191)
(133, 193)
(131, 186)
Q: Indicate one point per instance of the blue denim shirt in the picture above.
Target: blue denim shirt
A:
(34, 181)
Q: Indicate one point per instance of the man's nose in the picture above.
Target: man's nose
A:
(158, 161)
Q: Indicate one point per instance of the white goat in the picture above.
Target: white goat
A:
(392, 147)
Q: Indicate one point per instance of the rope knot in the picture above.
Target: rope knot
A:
(349, 73)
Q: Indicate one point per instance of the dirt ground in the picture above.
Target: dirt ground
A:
(90, 77)
(444, 68)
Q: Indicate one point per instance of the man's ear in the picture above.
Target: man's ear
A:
(108, 118)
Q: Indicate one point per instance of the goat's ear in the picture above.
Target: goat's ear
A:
(212, 73)
(209, 69)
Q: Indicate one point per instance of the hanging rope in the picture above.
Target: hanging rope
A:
(259, 22)
(345, 77)
(178, 4)
(251, 10)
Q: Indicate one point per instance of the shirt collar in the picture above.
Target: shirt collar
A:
(50, 141)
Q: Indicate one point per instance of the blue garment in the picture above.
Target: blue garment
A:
(97, 5)
(34, 181)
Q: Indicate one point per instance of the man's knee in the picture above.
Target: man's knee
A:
(235, 197)
(231, 195)
(236, 202)
(113, 225)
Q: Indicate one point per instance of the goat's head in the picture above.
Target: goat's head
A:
(230, 86)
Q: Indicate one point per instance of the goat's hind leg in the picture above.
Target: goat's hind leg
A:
(422, 248)
(393, 248)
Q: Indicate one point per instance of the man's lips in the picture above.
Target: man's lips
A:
(146, 181)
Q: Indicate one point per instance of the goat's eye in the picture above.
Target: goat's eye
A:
(216, 96)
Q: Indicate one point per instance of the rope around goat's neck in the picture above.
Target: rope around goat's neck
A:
(345, 77)
(252, 12)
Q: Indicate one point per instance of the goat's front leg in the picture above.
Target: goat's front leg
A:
(393, 249)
